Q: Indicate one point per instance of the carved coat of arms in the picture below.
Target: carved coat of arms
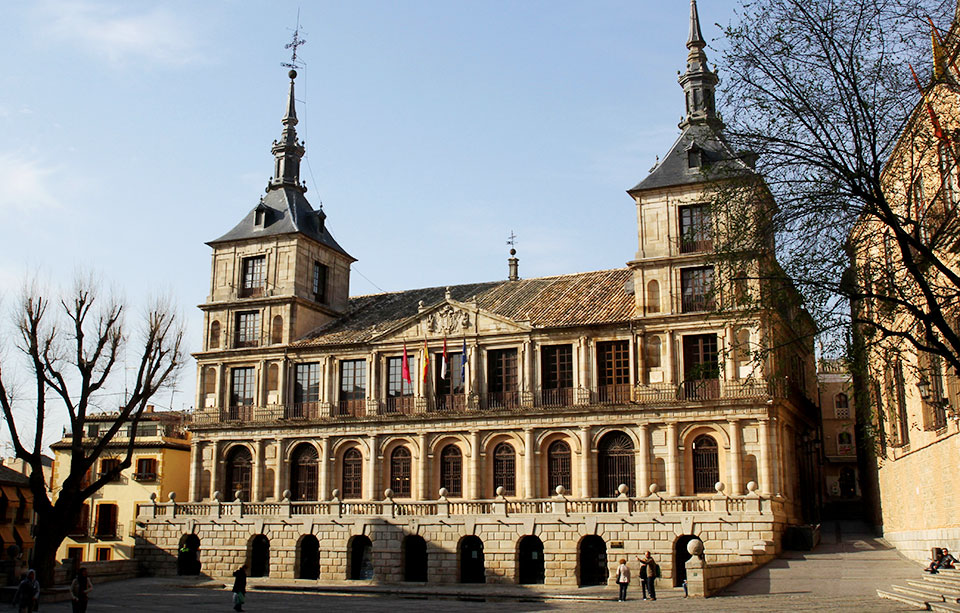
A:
(448, 320)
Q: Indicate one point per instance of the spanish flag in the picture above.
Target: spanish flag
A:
(405, 371)
(443, 365)
(426, 361)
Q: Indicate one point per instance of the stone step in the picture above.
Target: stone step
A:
(917, 603)
(917, 592)
(946, 592)
(950, 582)
(945, 607)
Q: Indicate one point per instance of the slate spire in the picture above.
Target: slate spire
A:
(288, 151)
(699, 82)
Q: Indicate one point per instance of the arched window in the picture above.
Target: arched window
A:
(276, 331)
(706, 466)
(558, 466)
(273, 377)
(451, 470)
(742, 347)
(304, 471)
(210, 381)
(653, 352)
(239, 471)
(615, 464)
(653, 296)
(214, 340)
(505, 469)
(842, 404)
(352, 478)
(844, 443)
(400, 472)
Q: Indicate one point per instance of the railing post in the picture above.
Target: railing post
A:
(388, 496)
(500, 504)
(443, 505)
(287, 494)
(623, 503)
(560, 502)
(173, 503)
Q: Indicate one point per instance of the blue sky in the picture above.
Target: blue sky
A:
(133, 132)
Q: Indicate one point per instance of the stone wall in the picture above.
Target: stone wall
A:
(98, 572)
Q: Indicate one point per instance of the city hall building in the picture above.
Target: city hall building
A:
(513, 431)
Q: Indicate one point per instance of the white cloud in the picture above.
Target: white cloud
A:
(120, 35)
(24, 185)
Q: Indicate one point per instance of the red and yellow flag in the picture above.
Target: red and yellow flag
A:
(426, 361)
(405, 371)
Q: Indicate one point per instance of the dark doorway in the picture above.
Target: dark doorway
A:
(593, 561)
(360, 553)
(414, 558)
(309, 558)
(530, 560)
(848, 483)
(471, 560)
(680, 557)
(260, 556)
(615, 463)
(188, 557)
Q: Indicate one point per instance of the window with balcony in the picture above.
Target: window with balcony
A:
(695, 234)
(320, 282)
(146, 470)
(108, 466)
(242, 386)
(844, 444)
(450, 389)
(502, 378)
(613, 371)
(842, 406)
(400, 472)
(701, 366)
(107, 521)
(306, 390)
(254, 277)
(696, 286)
(247, 332)
(353, 387)
(400, 392)
(706, 465)
(556, 372)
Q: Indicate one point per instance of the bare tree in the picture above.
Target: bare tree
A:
(72, 346)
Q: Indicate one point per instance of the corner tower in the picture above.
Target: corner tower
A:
(278, 273)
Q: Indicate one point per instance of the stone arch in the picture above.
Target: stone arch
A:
(688, 432)
(592, 566)
(680, 557)
(288, 453)
(572, 439)
(489, 446)
(544, 444)
(616, 463)
(530, 563)
(653, 296)
(437, 447)
(188, 555)
(258, 555)
(238, 465)
(689, 436)
(599, 433)
(360, 557)
(304, 472)
(471, 566)
(413, 551)
(307, 564)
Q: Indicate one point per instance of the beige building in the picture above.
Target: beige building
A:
(839, 441)
(106, 527)
(914, 395)
(547, 425)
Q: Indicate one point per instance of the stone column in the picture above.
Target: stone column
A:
(423, 481)
(196, 454)
(262, 387)
(214, 470)
(586, 462)
(474, 373)
(766, 459)
(325, 468)
(530, 465)
(632, 372)
(281, 469)
(282, 367)
(476, 475)
(736, 452)
(527, 367)
(729, 365)
(372, 460)
(643, 464)
(669, 370)
(258, 464)
(584, 363)
(673, 461)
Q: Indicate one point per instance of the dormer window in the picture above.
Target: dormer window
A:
(260, 216)
(694, 157)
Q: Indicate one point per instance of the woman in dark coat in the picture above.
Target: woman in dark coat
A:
(239, 588)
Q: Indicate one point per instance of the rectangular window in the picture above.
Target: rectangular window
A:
(697, 289)
(353, 387)
(319, 282)
(903, 419)
(937, 398)
(613, 371)
(254, 276)
(399, 392)
(450, 390)
(242, 386)
(82, 525)
(107, 521)
(950, 176)
(695, 229)
(108, 465)
(103, 554)
(146, 469)
(556, 372)
(248, 329)
(701, 366)
(306, 387)
(502, 378)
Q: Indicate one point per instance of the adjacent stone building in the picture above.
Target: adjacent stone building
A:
(520, 431)
(841, 484)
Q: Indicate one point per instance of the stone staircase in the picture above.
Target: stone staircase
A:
(940, 592)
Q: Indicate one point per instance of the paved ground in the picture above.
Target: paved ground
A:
(838, 576)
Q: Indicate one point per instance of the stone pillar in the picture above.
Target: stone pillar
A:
(632, 372)
(736, 453)
(673, 461)
(214, 470)
(372, 460)
(258, 465)
(262, 387)
(474, 373)
(282, 367)
(476, 480)
(281, 470)
(586, 462)
(527, 384)
(669, 370)
(584, 363)
(696, 567)
(325, 468)
(423, 480)
(643, 463)
(766, 459)
(530, 465)
(373, 376)
(196, 458)
(729, 364)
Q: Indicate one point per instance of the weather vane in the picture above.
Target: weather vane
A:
(294, 44)
(512, 239)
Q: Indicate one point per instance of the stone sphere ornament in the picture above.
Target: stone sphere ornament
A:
(153, 496)
(443, 492)
(218, 496)
(623, 489)
(172, 496)
(237, 494)
(388, 493)
(752, 486)
(654, 488)
(336, 493)
(719, 487)
(287, 494)
(695, 548)
(501, 491)
(560, 490)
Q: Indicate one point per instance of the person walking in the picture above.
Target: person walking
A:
(623, 579)
(643, 576)
(239, 588)
(28, 593)
(652, 572)
(80, 591)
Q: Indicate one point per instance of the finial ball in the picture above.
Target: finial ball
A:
(513, 252)
(292, 74)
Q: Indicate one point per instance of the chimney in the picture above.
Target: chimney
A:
(513, 261)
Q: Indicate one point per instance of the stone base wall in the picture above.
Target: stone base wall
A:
(226, 543)
(98, 572)
(917, 544)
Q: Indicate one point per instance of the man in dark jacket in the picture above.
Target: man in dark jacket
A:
(239, 588)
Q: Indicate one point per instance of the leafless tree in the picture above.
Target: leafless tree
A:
(72, 346)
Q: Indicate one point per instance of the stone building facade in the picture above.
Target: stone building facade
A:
(841, 484)
(914, 396)
(523, 431)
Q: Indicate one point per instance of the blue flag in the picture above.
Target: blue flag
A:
(463, 364)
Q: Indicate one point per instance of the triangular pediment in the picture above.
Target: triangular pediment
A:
(451, 319)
